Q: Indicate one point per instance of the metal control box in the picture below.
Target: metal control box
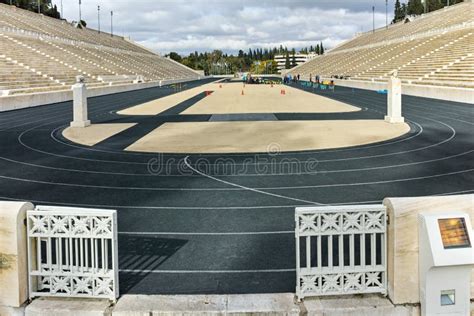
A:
(446, 258)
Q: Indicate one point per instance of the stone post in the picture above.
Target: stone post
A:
(79, 91)
(394, 100)
(13, 256)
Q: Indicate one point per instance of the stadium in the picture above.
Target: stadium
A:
(131, 183)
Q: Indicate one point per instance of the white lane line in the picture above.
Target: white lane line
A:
(207, 271)
(237, 187)
(283, 232)
(247, 188)
(19, 138)
(309, 152)
(322, 171)
(207, 208)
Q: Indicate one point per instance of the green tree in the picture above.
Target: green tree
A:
(415, 7)
(46, 7)
(434, 5)
(321, 48)
(293, 60)
(287, 61)
(398, 13)
(174, 56)
(318, 50)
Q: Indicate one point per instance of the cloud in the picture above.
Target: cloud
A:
(185, 26)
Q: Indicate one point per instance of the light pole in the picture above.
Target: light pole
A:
(62, 9)
(39, 6)
(98, 17)
(386, 14)
(373, 18)
(111, 23)
(80, 14)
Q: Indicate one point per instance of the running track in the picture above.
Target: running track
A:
(195, 227)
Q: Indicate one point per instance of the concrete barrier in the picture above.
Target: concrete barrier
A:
(13, 256)
(434, 92)
(21, 101)
(402, 240)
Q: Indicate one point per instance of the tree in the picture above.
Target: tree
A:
(434, 5)
(415, 7)
(46, 7)
(287, 61)
(175, 56)
(321, 48)
(318, 50)
(399, 13)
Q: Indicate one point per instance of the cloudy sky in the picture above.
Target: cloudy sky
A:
(188, 25)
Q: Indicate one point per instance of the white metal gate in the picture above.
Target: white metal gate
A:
(72, 252)
(340, 250)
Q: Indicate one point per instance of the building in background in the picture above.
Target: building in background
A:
(299, 59)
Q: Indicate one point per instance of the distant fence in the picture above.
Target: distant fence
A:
(340, 250)
(72, 252)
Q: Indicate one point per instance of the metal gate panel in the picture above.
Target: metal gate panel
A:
(340, 250)
(72, 252)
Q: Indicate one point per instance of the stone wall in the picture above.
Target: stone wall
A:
(21, 101)
(434, 92)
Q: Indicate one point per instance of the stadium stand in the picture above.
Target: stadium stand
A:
(39, 53)
(433, 49)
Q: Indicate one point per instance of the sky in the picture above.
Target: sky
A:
(186, 26)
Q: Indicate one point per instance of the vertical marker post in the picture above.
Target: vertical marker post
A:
(79, 91)
(394, 100)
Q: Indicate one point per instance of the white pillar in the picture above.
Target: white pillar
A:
(13, 256)
(394, 100)
(79, 91)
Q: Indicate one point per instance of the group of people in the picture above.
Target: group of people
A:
(295, 79)
(288, 78)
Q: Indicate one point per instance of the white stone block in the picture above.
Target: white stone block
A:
(394, 101)
(79, 91)
(68, 306)
(138, 305)
(13, 253)
(351, 305)
(263, 304)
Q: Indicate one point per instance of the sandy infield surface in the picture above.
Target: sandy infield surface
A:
(256, 137)
(227, 98)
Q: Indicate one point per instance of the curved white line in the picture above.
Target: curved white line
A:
(247, 188)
